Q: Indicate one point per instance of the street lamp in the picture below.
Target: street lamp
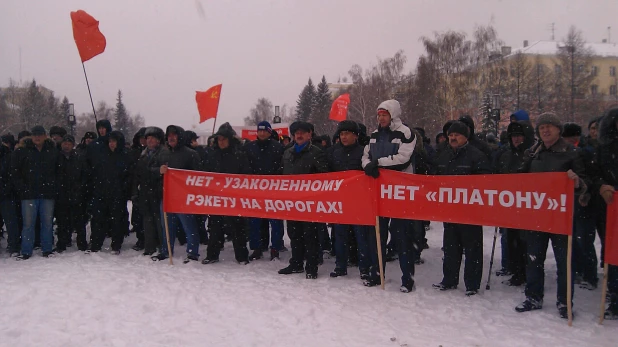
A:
(71, 118)
(276, 119)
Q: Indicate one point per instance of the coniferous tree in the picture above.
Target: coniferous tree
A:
(306, 102)
(122, 121)
(321, 110)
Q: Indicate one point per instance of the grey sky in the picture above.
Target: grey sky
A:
(159, 52)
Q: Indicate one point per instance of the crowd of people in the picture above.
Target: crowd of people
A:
(47, 181)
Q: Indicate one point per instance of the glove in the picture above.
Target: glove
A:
(371, 169)
(607, 192)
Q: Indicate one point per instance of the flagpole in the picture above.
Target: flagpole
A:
(89, 93)
(603, 293)
(218, 101)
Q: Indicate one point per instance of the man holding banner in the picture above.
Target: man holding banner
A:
(607, 181)
(461, 158)
(391, 147)
(303, 158)
(551, 154)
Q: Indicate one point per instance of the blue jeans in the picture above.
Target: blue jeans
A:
(44, 208)
(342, 249)
(276, 238)
(189, 224)
(8, 209)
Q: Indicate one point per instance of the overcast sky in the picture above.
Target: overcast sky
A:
(159, 52)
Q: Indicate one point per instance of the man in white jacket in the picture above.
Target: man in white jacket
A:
(392, 147)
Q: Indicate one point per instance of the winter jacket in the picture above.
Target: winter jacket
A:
(6, 187)
(560, 157)
(34, 172)
(231, 160)
(147, 179)
(309, 160)
(606, 162)
(346, 158)
(72, 178)
(112, 173)
(180, 156)
(392, 146)
(466, 160)
(511, 158)
(264, 156)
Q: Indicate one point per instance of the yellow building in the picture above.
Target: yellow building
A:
(603, 66)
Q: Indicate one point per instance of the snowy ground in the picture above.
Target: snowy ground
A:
(128, 300)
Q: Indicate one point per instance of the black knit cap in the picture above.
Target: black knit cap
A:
(68, 138)
(571, 129)
(348, 125)
(459, 128)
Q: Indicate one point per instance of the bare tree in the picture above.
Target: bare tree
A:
(263, 110)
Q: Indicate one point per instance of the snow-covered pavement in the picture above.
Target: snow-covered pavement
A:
(128, 300)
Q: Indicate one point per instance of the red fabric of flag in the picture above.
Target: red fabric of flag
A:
(208, 102)
(89, 40)
(339, 110)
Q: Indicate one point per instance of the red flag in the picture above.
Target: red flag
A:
(339, 110)
(89, 40)
(208, 102)
(611, 233)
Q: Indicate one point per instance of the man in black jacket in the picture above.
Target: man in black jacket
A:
(137, 222)
(34, 175)
(348, 155)
(265, 159)
(71, 205)
(191, 142)
(461, 158)
(606, 182)
(178, 156)
(551, 154)
(147, 191)
(521, 137)
(110, 184)
(9, 205)
(303, 158)
(227, 157)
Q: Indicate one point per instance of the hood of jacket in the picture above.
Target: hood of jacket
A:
(104, 123)
(136, 143)
(520, 115)
(521, 127)
(119, 137)
(179, 131)
(393, 107)
(607, 127)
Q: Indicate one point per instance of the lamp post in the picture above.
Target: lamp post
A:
(71, 119)
(496, 110)
(276, 118)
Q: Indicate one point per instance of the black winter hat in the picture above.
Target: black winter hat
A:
(439, 136)
(459, 128)
(90, 135)
(56, 130)
(68, 138)
(119, 137)
(22, 134)
(156, 132)
(8, 139)
(141, 132)
(300, 125)
(515, 128)
(190, 136)
(446, 126)
(467, 120)
(348, 125)
(38, 130)
(571, 129)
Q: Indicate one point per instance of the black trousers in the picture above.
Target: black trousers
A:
(151, 214)
(237, 227)
(108, 216)
(305, 244)
(137, 221)
(70, 217)
(460, 240)
(516, 240)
